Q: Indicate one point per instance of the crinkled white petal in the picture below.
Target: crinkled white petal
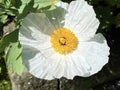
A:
(44, 67)
(36, 26)
(35, 31)
(57, 16)
(62, 5)
(91, 55)
(81, 19)
(35, 62)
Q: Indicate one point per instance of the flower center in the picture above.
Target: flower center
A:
(63, 40)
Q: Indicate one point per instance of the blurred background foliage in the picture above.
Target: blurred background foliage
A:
(108, 12)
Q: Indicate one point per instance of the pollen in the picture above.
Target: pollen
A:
(63, 40)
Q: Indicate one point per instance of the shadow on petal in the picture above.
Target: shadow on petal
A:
(28, 54)
(98, 38)
(57, 16)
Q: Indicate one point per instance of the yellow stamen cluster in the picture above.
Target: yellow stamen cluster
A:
(63, 41)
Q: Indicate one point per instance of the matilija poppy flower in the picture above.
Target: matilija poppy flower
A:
(62, 42)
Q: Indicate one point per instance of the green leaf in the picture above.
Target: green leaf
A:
(10, 38)
(44, 3)
(7, 3)
(3, 18)
(41, 3)
(0, 69)
(32, 4)
(16, 4)
(1, 1)
(13, 58)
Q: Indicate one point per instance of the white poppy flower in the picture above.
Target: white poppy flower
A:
(62, 42)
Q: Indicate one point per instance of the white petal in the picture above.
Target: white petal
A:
(36, 23)
(57, 15)
(95, 53)
(81, 19)
(34, 43)
(57, 69)
(36, 62)
(66, 66)
(35, 31)
(36, 26)
(72, 69)
(31, 56)
(62, 5)
(43, 64)
(81, 65)
(27, 41)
